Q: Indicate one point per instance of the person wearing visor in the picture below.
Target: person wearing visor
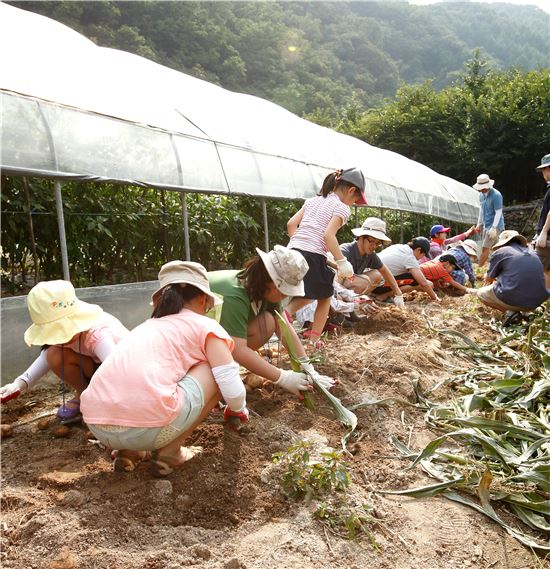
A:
(312, 232)
(250, 298)
(491, 219)
(369, 270)
(440, 240)
(165, 376)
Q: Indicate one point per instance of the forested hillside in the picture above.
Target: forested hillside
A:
(310, 55)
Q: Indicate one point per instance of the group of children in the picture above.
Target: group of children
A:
(142, 392)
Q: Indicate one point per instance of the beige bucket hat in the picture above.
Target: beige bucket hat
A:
(373, 226)
(483, 182)
(507, 236)
(57, 314)
(287, 269)
(185, 272)
(469, 245)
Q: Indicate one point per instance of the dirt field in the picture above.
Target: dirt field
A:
(63, 507)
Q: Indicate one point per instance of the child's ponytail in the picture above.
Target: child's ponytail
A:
(330, 183)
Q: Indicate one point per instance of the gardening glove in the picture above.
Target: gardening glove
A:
(399, 301)
(492, 233)
(345, 268)
(293, 381)
(13, 390)
(369, 307)
(323, 380)
(242, 415)
(541, 239)
(471, 291)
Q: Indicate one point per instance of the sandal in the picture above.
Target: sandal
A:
(69, 412)
(129, 461)
(162, 466)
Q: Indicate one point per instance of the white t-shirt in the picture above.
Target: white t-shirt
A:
(399, 259)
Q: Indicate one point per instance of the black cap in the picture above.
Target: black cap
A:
(449, 259)
(421, 242)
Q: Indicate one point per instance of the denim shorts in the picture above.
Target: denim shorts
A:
(152, 438)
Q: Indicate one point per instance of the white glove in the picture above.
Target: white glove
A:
(323, 380)
(471, 291)
(345, 268)
(293, 381)
(399, 301)
(493, 232)
(541, 239)
(13, 390)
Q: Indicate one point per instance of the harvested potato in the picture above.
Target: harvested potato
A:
(43, 424)
(61, 431)
(6, 431)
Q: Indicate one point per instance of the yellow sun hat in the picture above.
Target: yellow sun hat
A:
(57, 314)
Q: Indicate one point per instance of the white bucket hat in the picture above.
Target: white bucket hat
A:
(469, 245)
(287, 269)
(373, 226)
(185, 272)
(483, 182)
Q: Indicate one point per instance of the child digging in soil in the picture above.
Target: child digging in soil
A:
(166, 376)
(250, 298)
(312, 233)
(75, 337)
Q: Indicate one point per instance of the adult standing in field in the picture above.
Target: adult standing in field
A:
(250, 298)
(491, 218)
(368, 268)
(312, 233)
(403, 263)
(541, 240)
(515, 279)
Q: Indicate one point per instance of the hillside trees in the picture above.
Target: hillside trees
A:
(492, 121)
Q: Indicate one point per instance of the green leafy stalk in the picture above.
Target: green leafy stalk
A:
(344, 415)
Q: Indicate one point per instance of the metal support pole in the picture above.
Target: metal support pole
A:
(356, 215)
(185, 216)
(381, 213)
(266, 225)
(417, 224)
(61, 226)
(401, 224)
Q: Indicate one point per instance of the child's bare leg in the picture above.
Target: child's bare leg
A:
(174, 451)
(321, 315)
(70, 362)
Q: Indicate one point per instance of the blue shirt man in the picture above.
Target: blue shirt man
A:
(490, 218)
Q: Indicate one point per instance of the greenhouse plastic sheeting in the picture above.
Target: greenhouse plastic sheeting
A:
(73, 110)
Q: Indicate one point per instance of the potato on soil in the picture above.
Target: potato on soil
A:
(6, 431)
(61, 431)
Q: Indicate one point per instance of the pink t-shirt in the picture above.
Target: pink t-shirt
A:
(136, 386)
(318, 211)
(106, 327)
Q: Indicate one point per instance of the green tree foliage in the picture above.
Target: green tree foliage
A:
(310, 55)
(491, 121)
(124, 234)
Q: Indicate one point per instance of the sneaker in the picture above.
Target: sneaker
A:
(512, 318)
